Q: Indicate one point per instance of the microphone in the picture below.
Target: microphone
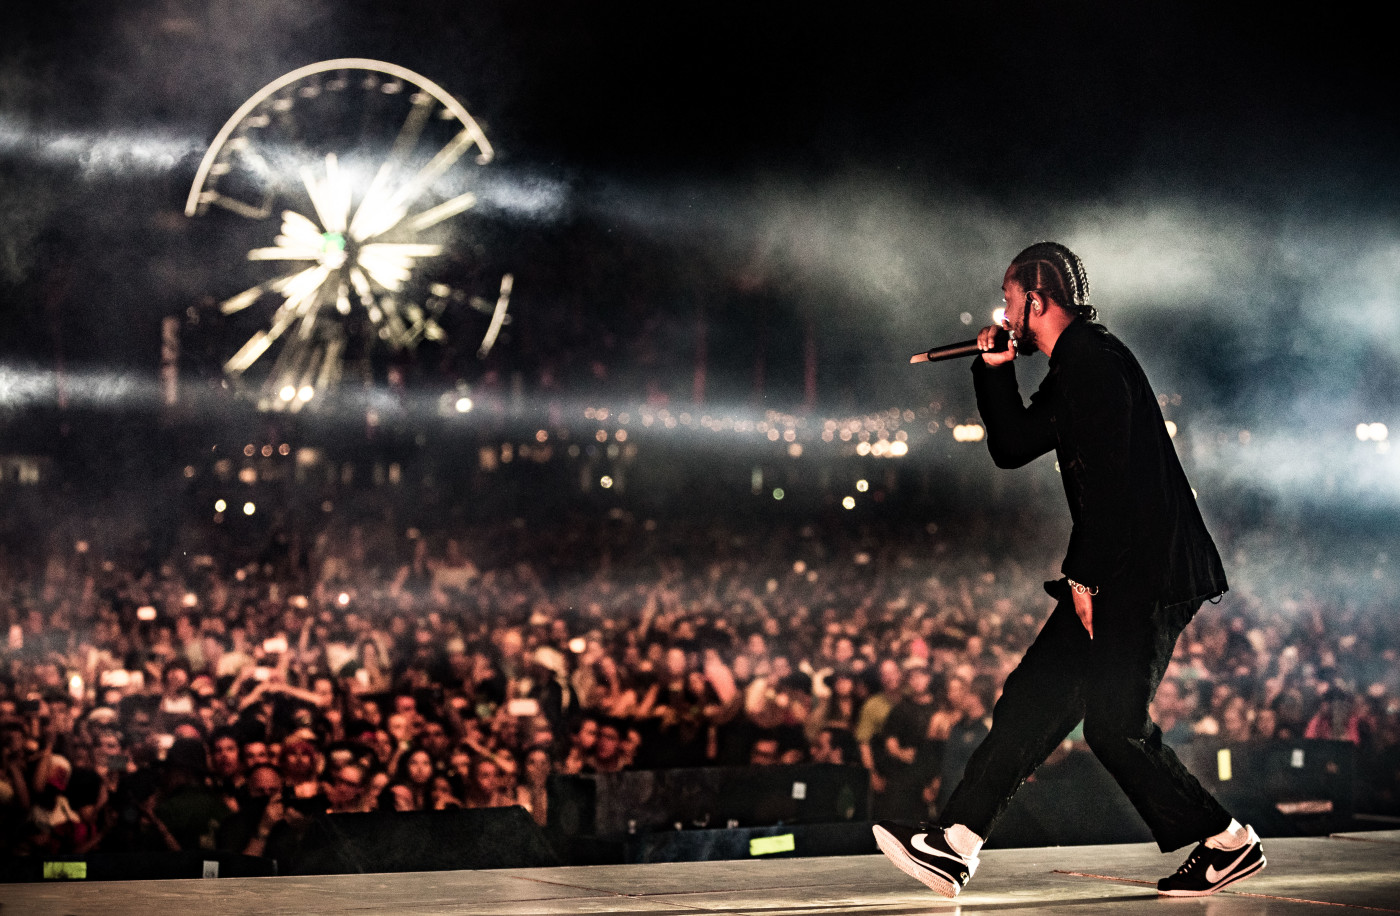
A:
(967, 348)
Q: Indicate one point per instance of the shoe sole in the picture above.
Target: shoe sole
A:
(1258, 867)
(894, 851)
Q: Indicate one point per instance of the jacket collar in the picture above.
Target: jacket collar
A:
(1076, 333)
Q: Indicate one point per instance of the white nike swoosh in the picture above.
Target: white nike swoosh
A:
(918, 843)
(1213, 876)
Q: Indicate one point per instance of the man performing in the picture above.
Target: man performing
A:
(1140, 563)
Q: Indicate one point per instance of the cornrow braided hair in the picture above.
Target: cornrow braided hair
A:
(1054, 270)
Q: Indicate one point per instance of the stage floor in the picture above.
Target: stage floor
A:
(1355, 871)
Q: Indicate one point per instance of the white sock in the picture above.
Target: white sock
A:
(964, 841)
(1232, 837)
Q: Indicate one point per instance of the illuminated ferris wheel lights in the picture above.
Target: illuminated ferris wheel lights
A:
(359, 236)
(446, 210)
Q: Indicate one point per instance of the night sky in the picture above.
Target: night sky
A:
(1227, 172)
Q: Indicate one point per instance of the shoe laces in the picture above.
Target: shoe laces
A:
(1190, 861)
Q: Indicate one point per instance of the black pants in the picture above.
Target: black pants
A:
(1107, 682)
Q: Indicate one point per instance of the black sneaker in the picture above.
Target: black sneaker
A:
(1208, 870)
(924, 854)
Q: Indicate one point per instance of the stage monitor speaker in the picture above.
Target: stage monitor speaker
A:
(613, 806)
(807, 840)
(398, 841)
(1283, 788)
(1073, 802)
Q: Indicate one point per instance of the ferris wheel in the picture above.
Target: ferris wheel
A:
(358, 173)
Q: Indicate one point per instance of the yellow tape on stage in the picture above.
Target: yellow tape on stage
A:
(65, 871)
(767, 845)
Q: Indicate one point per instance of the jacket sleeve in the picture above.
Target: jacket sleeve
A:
(1096, 420)
(1016, 434)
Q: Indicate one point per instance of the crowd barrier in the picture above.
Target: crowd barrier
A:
(1282, 788)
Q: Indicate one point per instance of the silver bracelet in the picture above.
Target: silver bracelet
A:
(1083, 589)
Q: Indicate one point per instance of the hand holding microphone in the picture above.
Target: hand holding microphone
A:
(994, 344)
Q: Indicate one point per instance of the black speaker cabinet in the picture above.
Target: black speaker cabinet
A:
(613, 806)
(398, 841)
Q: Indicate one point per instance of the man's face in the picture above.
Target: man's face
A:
(225, 756)
(1014, 297)
(918, 681)
(890, 675)
(608, 741)
(255, 753)
(487, 777)
(345, 789)
(401, 727)
(299, 760)
(434, 738)
(587, 735)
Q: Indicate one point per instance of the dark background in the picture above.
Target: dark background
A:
(863, 172)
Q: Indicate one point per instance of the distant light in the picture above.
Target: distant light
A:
(578, 645)
(1171, 430)
(778, 493)
(620, 435)
(799, 567)
(965, 318)
(795, 450)
(606, 483)
(189, 470)
(248, 475)
(288, 392)
(1379, 432)
(190, 599)
(773, 435)
(146, 612)
(899, 449)
(969, 432)
(267, 451)
(601, 435)
(75, 688)
(998, 316)
(299, 602)
(220, 505)
(249, 508)
(342, 599)
(306, 393)
(862, 485)
(863, 449)
(327, 506)
(464, 404)
(248, 450)
(849, 502)
(80, 547)
(542, 436)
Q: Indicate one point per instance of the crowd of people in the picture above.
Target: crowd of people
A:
(190, 703)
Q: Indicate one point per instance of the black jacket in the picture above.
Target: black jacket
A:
(1136, 525)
